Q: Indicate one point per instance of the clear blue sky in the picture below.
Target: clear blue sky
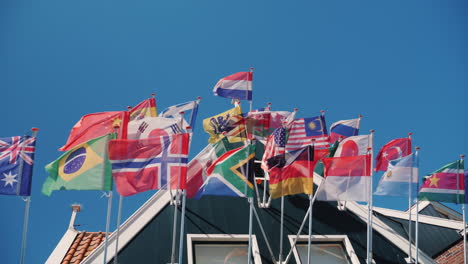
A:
(401, 64)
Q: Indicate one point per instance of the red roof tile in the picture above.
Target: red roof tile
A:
(82, 246)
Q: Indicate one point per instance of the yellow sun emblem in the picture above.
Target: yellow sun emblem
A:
(312, 125)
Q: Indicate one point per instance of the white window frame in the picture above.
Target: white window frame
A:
(193, 238)
(347, 246)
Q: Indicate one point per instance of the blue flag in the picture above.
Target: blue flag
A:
(396, 180)
(16, 164)
(174, 111)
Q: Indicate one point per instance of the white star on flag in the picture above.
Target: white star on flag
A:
(9, 179)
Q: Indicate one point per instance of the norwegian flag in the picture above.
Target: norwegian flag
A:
(16, 163)
(149, 164)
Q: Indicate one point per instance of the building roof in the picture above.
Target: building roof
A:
(82, 246)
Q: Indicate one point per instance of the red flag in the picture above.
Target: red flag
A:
(146, 108)
(395, 149)
(96, 125)
(148, 164)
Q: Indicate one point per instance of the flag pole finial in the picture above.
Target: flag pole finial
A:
(152, 95)
(251, 69)
(372, 130)
(369, 149)
(410, 134)
(417, 148)
(199, 98)
(295, 109)
(359, 116)
(34, 129)
(462, 156)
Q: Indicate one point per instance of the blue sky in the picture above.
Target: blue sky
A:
(400, 64)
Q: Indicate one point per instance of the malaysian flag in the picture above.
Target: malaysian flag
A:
(303, 130)
(148, 164)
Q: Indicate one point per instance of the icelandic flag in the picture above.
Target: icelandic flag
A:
(148, 164)
(16, 164)
(235, 86)
(174, 111)
(344, 129)
(398, 176)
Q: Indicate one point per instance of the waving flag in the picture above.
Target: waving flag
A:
(96, 125)
(446, 184)
(275, 145)
(148, 164)
(174, 112)
(84, 167)
(235, 86)
(395, 149)
(292, 173)
(344, 129)
(153, 127)
(230, 124)
(396, 180)
(303, 130)
(260, 124)
(146, 108)
(231, 174)
(353, 146)
(346, 179)
(16, 164)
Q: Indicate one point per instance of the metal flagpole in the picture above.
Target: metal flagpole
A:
(182, 217)
(109, 208)
(27, 205)
(250, 201)
(464, 214)
(264, 235)
(251, 100)
(281, 231)
(309, 239)
(177, 198)
(119, 210)
(410, 257)
(369, 203)
(416, 157)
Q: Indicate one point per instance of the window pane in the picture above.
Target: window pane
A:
(221, 253)
(324, 253)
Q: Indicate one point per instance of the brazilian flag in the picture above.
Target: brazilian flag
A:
(85, 167)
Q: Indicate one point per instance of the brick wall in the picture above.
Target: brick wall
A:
(454, 255)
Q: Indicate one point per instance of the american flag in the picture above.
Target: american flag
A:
(303, 130)
(275, 145)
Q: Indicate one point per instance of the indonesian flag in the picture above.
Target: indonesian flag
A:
(235, 86)
(395, 149)
(346, 179)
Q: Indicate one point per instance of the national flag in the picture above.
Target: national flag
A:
(149, 164)
(190, 107)
(153, 127)
(395, 149)
(235, 86)
(396, 180)
(353, 146)
(16, 164)
(343, 129)
(84, 167)
(260, 124)
(231, 174)
(446, 184)
(96, 125)
(303, 130)
(346, 179)
(231, 123)
(275, 145)
(292, 173)
(146, 108)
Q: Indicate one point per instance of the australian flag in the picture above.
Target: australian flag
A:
(16, 165)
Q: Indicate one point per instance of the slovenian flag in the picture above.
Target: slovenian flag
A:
(235, 86)
(399, 174)
(344, 129)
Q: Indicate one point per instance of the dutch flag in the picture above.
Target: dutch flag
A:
(235, 86)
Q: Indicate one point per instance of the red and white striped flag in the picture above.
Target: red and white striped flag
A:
(303, 130)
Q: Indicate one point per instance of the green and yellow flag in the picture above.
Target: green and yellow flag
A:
(85, 167)
(231, 123)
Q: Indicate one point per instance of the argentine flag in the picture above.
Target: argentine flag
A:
(399, 174)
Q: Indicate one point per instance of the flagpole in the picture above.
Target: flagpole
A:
(280, 258)
(416, 156)
(309, 239)
(109, 209)
(197, 102)
(177, 197)
(409, 208)
(182, 217)
(251, 100)
(250, 201)
(119, 210)
(358, 124)
(464, 213)
(27, 206)
(370, 150)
